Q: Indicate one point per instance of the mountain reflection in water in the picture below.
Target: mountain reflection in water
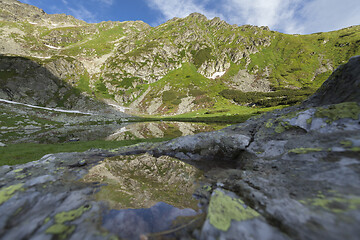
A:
(144, 130)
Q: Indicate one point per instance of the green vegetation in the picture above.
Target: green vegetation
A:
(26, 152)
(101, 90)
(294, 59)
(201, 56)
(61, 229)
(7, 192)
(339, 111)
(295, 65)
(305, 150)
(223, 209)
(336, 203)
(84, 83)
(268, 99)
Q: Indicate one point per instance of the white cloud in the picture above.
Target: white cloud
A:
(107, 2)
(182, 8)
(289, 16)
(277, 14)
(327, 15)
(82, 13)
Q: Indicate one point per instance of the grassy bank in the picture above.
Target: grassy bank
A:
(221, 114)
(26, 152)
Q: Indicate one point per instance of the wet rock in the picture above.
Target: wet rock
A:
(134, 223)
(57, 197)
(229, 216)
(2, 144)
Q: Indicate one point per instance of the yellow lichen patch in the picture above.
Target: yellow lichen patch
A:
(335, 204)
(305, 150)
(223, 209)
(70, 215)
(346, 143)
(60, 228)
(339, 111)
(355, 149)
(8, 192)
(269, 123)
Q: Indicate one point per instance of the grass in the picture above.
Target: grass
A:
(268, 99)
(221, 114)
(26, 152)
(294, 59)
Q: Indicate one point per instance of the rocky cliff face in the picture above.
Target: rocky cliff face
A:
(53, 83)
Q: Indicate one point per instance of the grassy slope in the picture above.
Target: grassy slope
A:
(27, 152)
(186, 81)
(294, 59)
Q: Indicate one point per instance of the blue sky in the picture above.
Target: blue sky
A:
(288, 16)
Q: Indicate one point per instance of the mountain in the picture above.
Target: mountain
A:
(183, 65)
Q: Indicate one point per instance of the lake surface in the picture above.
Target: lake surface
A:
(108, 132)
(145, 194)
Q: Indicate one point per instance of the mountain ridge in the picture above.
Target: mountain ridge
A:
(123, 62)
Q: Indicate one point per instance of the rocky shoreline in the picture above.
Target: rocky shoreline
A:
(288, 174)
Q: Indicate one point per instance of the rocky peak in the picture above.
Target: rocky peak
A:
(197, 16)
(15, 11)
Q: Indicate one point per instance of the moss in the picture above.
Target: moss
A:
(282, 127)
(207, 188)
(339, 111)
(346, 143)
(355, 149)
(21, 176)
(305, 150)
(18, 170)
(46, 220)
(335, 204)
(309, 121)
(223, 209)
(71, 215)
(269, 123)
(8, 192)
(61, 230)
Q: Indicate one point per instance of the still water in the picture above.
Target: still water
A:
(145, 194)
(108, 132)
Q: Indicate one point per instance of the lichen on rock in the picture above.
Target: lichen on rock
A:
(7, 192)
(339, 111)
(60, 228)
(224, 208)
